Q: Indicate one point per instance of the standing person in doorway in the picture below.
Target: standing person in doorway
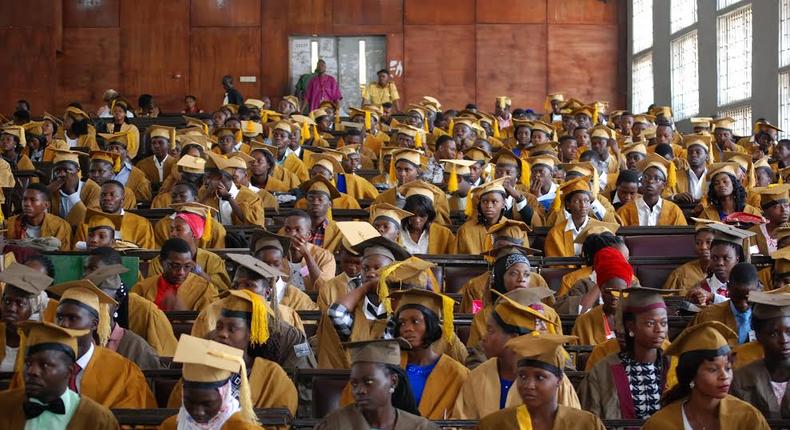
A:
(232, 95)
(322, 87)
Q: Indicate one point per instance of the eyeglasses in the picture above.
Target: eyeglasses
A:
(651, 178)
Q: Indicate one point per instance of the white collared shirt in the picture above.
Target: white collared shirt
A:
(225, 210)
(569, 226)
(550, 194)
(716, 286)
(648, 217)
(83, 363)
(519, 205)
(68, 201)
(279, 288)
(420, 247)
(72, 142)
(160, 167)
(253, 188)
(123, 175)
(696, 184)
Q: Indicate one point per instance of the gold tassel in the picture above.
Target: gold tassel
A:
(103, 330)
(418, 140)
(469, 207)
(393, 177)
(448, 326)
(425, 124)
(207, 227)
(556, 205)
(116, 164)
(672, 175)
(450, 126)
(259, 326)
(305, 131)
(19, 363)
(316, 135)
(497, 135)
(367, 121)
(249, 127)
(383, 291)
(526, 173)
(595, 114)
(265, 117)
(523, 418)
(452, 182)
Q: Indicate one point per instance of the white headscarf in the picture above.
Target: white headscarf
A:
(230, 405)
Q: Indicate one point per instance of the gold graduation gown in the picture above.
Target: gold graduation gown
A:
(350, 417)
(589, 327)
(110, 380)
(249, 202)
(734, 414)
(215, 241)
(134, 228)
(148, 166)
(473, 238)
(359, 187)
(293, 164)
(52, 226)
(441, 240)
(480, 394)
(139, 183)
(479, 323)
(752, 384)
(206, 320)
(196, 293)
(568, 280)
(720, 312)
(710, 212)
(88, 414)
(286, 177)
(559, 243)
(270, 387)
(345, 201)
(329, 290)
(331, 355)
(211, 264)
(747, 353)
(565, 418)
(477, 287)
(297, 300)
(133, 138)
(89, 198)
(235, 422)
(610, 216)
(685, 277)
(440, 204)
(670, 214)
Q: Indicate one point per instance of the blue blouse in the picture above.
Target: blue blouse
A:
(418, 376)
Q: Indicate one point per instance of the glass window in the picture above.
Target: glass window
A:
(743, 119)
(642, 23)
(685, 79)
(784, 33)
(784, 101)
(735, 56)
(642, 83)
(683, 13)
(721, 4)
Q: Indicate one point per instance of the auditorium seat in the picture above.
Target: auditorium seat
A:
(553, 275)
(455, 277)
(653, 276)
(675, 245)
(326, 394)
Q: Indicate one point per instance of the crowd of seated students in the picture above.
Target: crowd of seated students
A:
(245, 239)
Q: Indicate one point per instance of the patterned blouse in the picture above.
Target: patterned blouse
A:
(644, 379)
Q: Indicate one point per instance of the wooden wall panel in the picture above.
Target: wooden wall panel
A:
(395, 62)
(274, 50)
(218, 51)
(368, 12)
(505, 67)
(27, 13)
(95, 13)
(155, 50)
(583, 61)
(583, 11)
(28, 73)
(303, 16)
(439, 12)
(86, 81)
(439, 61)
(225, 13)
(511, 12)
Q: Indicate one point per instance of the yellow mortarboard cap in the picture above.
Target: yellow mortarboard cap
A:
(660, 163)
(251, 128)
(87, 294)
(254, 103)
(283, 126)
(39, 336)
(638, 147)
(770, 304)
(242, 155)
(379, 245)
(200, 140)
(477, 154)
(168, 133)
(15, 130)
(104, 272)
(327, 161)
(710, 336)
(191, 164)
(701, 121)
(320, 184)
(775, 193)
(411, 271)
(387, 210)
(24, 278)
(537, 349)
(555, 96)
(420, 188)
(120, 138)
(517, 314)
(544, 149)
(545, 159)
(644, 119)
(225, 131)
(265, 239)
(294, 101)
(252, 307)
(726, 167)
(488, 187)
(96, 218)
(407, 130)
(601, 131)
(726, 123)
(505, 157)
(206, 361)
(383, 351)
(781, 260)
(356, 232)
(728, 233)
(110, 157)
(34, 127)
(702, 140)
(76, 113)
(253, 264)
(542, 126)
(440, 304)
(596, 227)
(195, 122)
(52, 118)
(511, 229)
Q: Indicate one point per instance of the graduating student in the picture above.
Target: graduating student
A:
(36, 221)
(216, 388)
(700, 399)
(46, 402)
(650, 209)
(541, 360)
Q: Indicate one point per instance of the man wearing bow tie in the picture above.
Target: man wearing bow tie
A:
(46, 401)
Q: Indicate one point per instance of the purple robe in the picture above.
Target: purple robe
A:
(320, 88)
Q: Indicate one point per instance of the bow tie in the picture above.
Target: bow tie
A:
(34, 409)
